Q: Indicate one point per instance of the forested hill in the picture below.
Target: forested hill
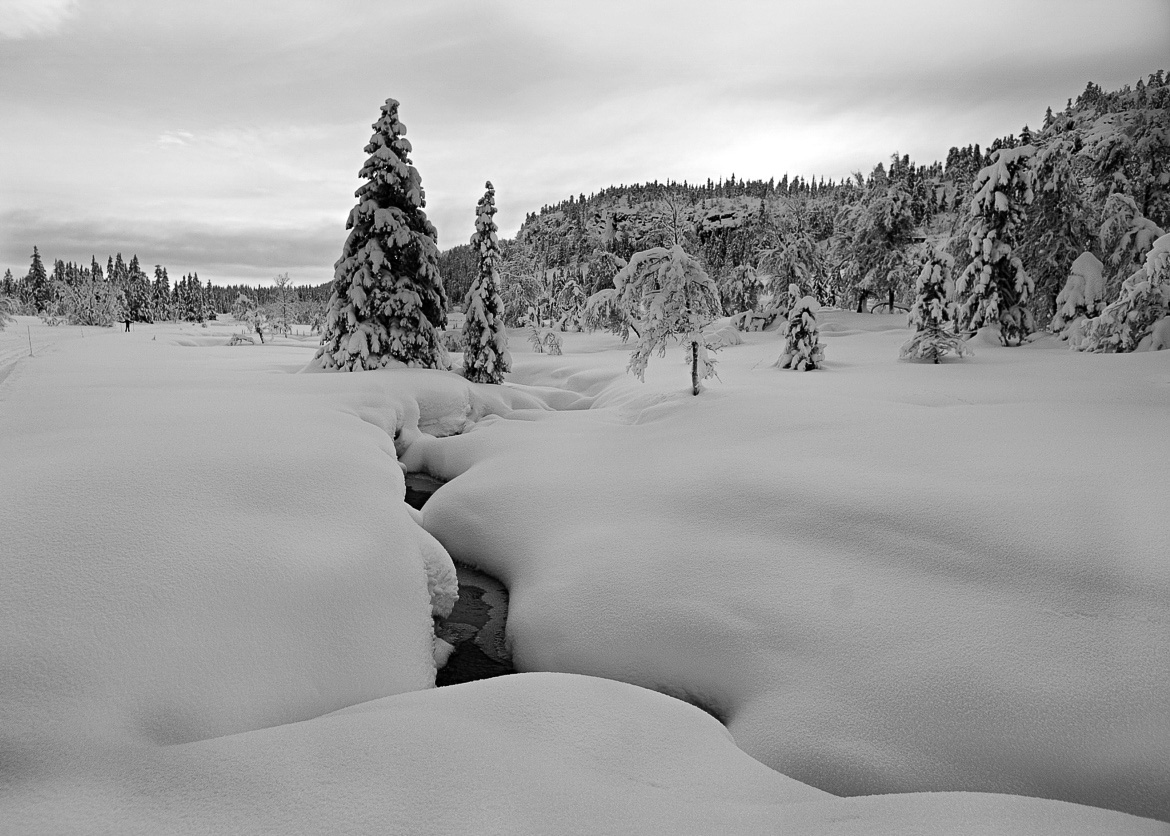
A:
(1101, 168)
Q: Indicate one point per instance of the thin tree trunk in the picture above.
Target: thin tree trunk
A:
(694, 367)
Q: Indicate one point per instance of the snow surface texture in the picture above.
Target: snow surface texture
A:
(886, 577)
(204, 555)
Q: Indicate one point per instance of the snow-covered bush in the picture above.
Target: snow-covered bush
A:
(245, 310)
(784, 303)
(485, 339)
(543, 338)
(802, 346)
(1160, 335)
(740, 288)
(452, 340)
(283, 310)
(387, 300)
(571, 301)
(677, 298)
(725, 335)
(754, 320)
(995, 284)
(604, 310)
(1083, 295)
(1143, 301)
(933, 313)
(1126, 235)
(90, 299)
(7, 310)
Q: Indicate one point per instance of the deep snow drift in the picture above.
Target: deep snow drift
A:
(882, 576)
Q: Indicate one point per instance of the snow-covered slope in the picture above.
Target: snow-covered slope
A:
(884, 577)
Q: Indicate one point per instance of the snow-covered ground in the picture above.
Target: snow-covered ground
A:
(945, 584)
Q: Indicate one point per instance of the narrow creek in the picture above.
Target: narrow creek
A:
(476, 624)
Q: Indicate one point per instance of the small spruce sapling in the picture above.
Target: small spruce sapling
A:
(485, 340)
(677, 298)
(803, 351)
(387, 301)
(933, 314)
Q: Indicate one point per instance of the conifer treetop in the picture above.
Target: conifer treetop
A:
(485, 237)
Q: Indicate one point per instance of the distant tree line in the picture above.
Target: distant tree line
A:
(90, 295)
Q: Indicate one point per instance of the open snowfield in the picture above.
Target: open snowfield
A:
(941, 591)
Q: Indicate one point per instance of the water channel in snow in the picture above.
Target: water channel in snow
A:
(476, 625)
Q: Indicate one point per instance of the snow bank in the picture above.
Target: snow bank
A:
(886, 578)
(174, 568)
(206, 560)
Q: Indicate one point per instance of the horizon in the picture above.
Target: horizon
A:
(227, 141)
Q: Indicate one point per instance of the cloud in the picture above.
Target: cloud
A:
(252, 117)
(34, 18)
(237, 254)
(180, 138)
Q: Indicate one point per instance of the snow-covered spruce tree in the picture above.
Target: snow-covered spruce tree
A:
(678, 299)
(387, 301)
(485, 340)
(933, 313)
(1144, 299)
(996, 287)
(803, 351)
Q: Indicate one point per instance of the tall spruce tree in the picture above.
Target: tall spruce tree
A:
(160, 294)
(995, 284)
(387, 301)
(485, 340)
(37, 284)
(137, 290)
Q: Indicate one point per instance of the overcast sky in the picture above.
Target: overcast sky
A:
(226, 137)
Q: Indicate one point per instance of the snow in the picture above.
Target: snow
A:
(942, 583)
(1083, 293)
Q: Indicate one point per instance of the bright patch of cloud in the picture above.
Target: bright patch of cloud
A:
(33, 18)
(176, 138)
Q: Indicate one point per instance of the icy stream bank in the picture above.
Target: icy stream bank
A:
(476, 625)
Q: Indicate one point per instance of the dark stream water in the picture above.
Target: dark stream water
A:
(476, 625)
